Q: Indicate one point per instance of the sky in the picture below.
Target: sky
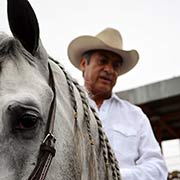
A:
(151, 27)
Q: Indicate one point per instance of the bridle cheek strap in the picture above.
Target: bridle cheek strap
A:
(46, 155)
(47, 149)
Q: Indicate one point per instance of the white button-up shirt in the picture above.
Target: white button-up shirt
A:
(132, 139)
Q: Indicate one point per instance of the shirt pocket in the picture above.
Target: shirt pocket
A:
(124, 141)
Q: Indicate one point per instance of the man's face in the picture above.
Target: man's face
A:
(101, 73)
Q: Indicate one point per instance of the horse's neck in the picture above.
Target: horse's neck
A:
(77, 132)
(71, 130)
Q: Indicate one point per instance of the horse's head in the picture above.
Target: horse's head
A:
(25, 94)
(30, 87)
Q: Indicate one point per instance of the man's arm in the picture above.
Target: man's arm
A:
(150, 165)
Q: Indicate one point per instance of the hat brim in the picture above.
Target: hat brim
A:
(86, 43)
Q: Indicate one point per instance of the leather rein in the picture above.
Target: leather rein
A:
(47, 148)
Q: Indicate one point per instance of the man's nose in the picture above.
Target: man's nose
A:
(109, 68)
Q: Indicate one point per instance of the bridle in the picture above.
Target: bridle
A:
(47, 148)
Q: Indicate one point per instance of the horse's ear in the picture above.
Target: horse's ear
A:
(23, 24)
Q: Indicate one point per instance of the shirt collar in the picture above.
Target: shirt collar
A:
(113, 96)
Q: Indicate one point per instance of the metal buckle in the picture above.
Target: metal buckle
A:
(49, 136)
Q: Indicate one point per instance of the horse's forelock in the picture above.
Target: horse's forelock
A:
(9, 46)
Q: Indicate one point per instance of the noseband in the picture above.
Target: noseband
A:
(47, 148)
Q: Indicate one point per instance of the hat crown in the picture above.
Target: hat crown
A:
(111, 37)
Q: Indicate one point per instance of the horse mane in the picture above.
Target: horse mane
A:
(108, 154)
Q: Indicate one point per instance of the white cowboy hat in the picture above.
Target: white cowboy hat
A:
(109, 39)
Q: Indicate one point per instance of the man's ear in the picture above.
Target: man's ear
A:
(83, 64)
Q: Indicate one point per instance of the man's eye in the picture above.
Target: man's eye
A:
(117, 65)
(103, 61)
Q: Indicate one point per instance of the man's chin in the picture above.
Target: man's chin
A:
(102, 90)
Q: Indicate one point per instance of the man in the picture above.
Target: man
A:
(102, 59)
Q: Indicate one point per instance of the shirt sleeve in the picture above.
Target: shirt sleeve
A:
(150, 165)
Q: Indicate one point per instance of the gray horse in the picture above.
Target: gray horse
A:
(47, 128)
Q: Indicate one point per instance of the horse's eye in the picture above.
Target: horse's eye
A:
(27, 121)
